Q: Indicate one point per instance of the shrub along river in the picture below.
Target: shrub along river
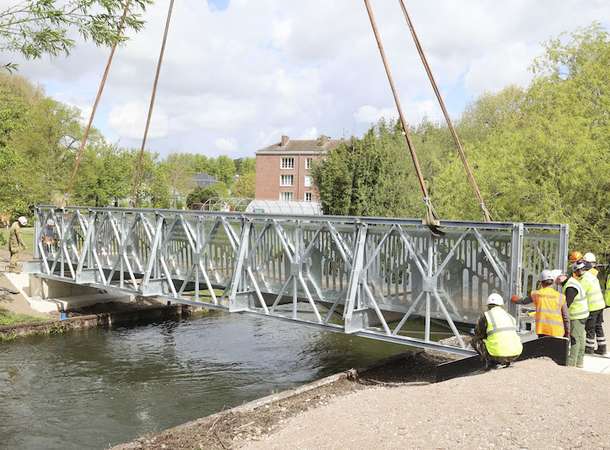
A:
(95, 388)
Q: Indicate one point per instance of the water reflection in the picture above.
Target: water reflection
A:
(96, 388)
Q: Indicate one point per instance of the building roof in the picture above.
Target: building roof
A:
(203, 179)
(284, 208)
(306, 146)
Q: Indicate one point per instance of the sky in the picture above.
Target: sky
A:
(238, 74)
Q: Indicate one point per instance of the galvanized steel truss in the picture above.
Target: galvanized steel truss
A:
(371, 277)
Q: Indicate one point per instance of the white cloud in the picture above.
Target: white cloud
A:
(260, 69)
(129, 119)
(371, 114)
(309, 133)
(226, 145)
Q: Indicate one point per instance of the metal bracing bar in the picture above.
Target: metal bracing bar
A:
(358, 263)
(420, 263)
(408, 314)
(287, 250)
(281, 294)
(368, 292)
(500, 271)
(454, 329)
(87, 245)
(310, 298)
(241, 257)
(343, 248)
(451, 253)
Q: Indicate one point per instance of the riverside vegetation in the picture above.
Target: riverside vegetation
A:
(539, 153)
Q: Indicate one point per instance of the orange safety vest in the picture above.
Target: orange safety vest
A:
(549, 320)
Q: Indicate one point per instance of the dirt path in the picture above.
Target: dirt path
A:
(535, 404)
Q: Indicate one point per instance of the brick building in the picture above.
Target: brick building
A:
(283, 169)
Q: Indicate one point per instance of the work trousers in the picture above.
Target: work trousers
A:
(595, 332)
(577, 342)
(479, 346)
(13, 264)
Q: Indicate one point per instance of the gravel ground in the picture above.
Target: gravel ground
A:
(537, 405)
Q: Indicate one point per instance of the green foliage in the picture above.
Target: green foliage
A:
(35, 28)
(245, 186)
(372, 176)
(547, 156)
(202, 195)
(540, 154)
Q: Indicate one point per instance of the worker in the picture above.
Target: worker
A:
(591, 260)
(552, 317)
(15, 243)
(578, 309)
(574, 256)
(496, 338)
(595, 298)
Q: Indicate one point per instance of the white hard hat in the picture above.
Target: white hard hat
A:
(495, 299)
(22, 220)
(589, 257)
(547, 275)
(556, 273)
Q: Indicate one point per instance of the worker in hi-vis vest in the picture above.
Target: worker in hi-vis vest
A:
(595, 298)
(591, 260)
(578, 309)
(551, 310)
(496, 338)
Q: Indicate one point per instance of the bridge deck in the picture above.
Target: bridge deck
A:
(370, 277)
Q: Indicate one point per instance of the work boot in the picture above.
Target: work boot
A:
(589, 350)
(601, 350)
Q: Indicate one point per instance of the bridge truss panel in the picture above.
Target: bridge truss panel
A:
(387, 279)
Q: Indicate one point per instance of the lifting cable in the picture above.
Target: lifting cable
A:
(431, 219)
(452, 129)
(139, 170)
(100, 90)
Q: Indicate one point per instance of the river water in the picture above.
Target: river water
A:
(95, 388)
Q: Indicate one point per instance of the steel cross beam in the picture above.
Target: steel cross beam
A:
(379, 278)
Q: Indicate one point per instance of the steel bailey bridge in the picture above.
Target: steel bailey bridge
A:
(371, 277)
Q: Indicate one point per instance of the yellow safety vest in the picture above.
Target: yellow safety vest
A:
(502, 339)
(607, 294)
(579, 309)
(549, 320)
(593, 291)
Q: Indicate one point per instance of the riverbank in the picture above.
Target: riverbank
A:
(105, 316)
(251, 421)
(538, 405)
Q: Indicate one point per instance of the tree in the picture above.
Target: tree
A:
(179, 169)
(245, 186)
(203, 194)
(34, 28)
(547, 158)
(371, 176)
(224, 170)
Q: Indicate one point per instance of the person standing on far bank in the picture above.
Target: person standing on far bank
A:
(15, 243)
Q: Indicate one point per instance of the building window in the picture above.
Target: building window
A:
(308, 196)
(308, 181)
(286, 180)
(287, 163)
(308, 163)
(286, 196)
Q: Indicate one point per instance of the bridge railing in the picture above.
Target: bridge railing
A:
(389, 279)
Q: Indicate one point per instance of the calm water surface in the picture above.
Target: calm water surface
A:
(96, 388)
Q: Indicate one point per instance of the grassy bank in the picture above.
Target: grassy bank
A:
(8, 318)
(27, 234)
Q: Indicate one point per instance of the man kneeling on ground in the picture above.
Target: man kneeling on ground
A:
(496, 338)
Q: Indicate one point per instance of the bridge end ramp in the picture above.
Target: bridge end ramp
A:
(51, 296)
(550, 347)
